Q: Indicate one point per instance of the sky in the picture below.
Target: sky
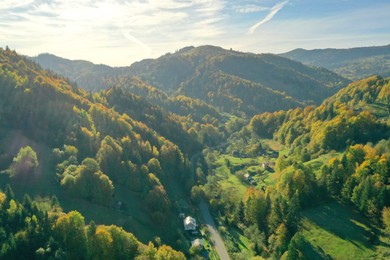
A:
(120, 32)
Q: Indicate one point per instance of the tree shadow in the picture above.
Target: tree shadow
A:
(344, 222)
(311, 252)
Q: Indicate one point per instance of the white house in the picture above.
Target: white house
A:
(197, 242)
(248, 176)
(189, 223)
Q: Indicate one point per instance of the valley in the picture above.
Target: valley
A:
(291, 161)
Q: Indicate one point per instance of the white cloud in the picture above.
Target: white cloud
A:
(271, 14)
(244, 9)
(81, 27)
(119, 32)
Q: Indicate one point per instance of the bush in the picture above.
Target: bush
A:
(26, 162)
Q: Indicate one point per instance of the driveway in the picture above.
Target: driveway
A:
(218, 242)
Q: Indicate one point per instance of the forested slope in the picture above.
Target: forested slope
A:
(332, 163)
(96, 150)
(234, 82)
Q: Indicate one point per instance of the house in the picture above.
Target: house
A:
(197, 242)
(268, 165)
(189, 224)
(265, 165)
(248, 176)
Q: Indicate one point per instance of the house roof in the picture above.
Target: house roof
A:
(189, 220)
(189, 223)
(197, 242)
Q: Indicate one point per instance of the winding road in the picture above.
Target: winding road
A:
(218, 242)
(204, 210)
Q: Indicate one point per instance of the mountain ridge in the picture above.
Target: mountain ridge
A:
(353, 63)
(289, 82)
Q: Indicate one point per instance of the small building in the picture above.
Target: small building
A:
(182, 215)
(197, 242)
(248, 176)
(268, 165)
(265, 165)
(189, 224)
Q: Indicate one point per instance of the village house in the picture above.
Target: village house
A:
(268, 165)
(189, 224)
(248, 176)
(197, 242)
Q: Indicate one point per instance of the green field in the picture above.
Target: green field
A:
(379, 109)
(334, 231)
(316, 164)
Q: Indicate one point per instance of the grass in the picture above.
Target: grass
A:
(316, 164)
(237, 161)
(230, 181)
(336, 231)
(378, 109)
(274, 145)
(242, 241)
(250, 165)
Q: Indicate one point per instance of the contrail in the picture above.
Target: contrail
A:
(141, 44)
(274, 10)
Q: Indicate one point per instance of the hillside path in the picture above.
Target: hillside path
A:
(218, 242)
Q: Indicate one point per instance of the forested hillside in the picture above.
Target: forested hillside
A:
(354, 63)
(58, 138)
(203, 124)
(358, 113)
(34, 230)
(233, 82)
(91, 76)
(287, 185)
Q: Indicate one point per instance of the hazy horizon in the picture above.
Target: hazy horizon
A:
(119, 33)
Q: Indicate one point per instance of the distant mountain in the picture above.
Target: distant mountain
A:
(354, 63)
(232, 81)
(86, 74)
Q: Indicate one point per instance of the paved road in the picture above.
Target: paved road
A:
(218, 243)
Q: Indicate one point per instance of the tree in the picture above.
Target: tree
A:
(295, 247)
(100, 244)
(88, 182)
(71, 234)
(124, 245)
(26, 162)
(197, 193)
(386, 218)
(278, 241)
(165, 252)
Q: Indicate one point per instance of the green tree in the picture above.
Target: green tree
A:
(124, 244)
(26, 162)
(100, 244)
(295, 248)
(71, 234)
(386, 218)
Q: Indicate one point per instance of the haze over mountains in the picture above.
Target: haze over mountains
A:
(231, 81)
(354, 63)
